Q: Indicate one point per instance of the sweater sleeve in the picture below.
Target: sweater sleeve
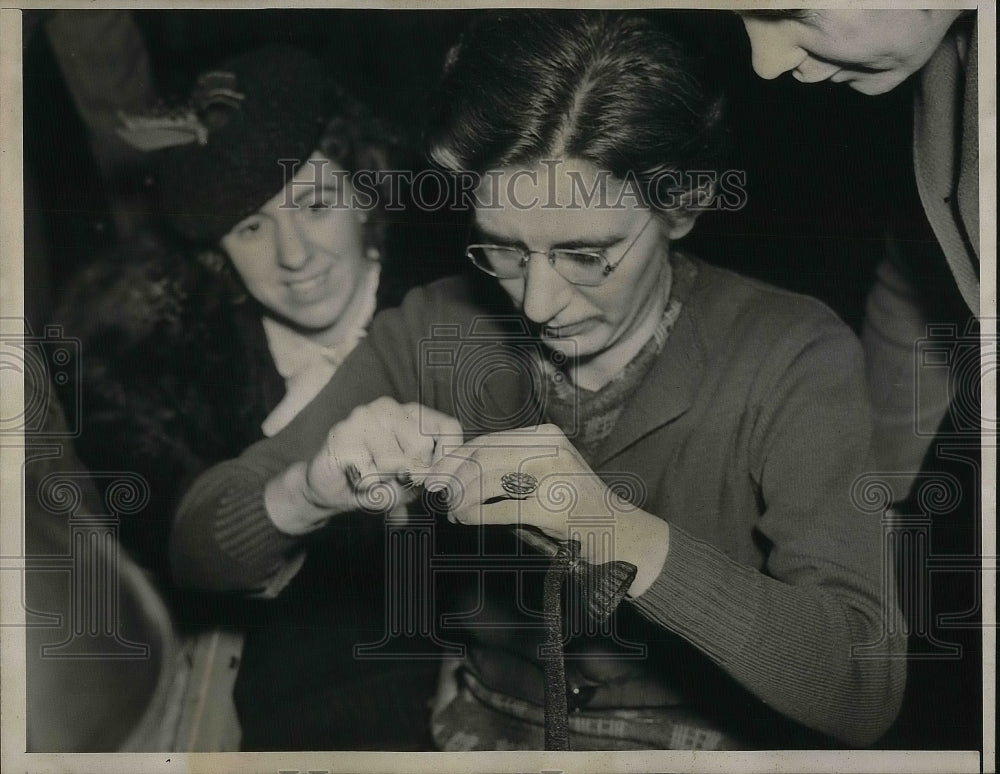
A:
(816, 634)
(223, 538)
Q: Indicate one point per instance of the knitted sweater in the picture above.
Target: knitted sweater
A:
(748, 435)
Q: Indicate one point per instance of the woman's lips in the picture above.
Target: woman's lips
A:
(309, 286)
(564, 331)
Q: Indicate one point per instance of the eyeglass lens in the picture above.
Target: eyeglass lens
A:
(508, 262)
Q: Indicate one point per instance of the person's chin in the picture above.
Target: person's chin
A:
(875, 85)
(573, 344)
(314, 319)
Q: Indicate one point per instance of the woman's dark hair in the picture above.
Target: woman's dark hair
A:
(614, 89)
(358, 140)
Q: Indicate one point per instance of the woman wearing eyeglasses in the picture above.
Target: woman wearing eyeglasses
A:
(685, 441)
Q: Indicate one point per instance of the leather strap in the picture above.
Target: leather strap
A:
(603, 587)
(556, 711)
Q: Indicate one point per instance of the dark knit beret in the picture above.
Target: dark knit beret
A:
(269, 104)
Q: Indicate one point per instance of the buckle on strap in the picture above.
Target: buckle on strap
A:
(602, 586)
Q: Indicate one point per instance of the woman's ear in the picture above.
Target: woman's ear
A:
(677, 223)
(679, 220)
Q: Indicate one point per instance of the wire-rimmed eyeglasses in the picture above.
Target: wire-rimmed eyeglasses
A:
(579, 267)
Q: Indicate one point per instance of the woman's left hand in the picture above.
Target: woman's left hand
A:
(563, 484)
(568, 498)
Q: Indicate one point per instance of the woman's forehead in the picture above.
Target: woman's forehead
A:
(312, 175)
(317, 168)
(539, 227)
(556, 195)
(544, 179)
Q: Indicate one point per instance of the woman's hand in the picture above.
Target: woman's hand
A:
(568, 501)
(367, 458)
(365, 464)
(473, 478)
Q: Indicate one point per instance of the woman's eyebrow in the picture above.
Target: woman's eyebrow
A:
(777, 14)
(572, 244)
(325, 187)
(485, 233)
(596, 244)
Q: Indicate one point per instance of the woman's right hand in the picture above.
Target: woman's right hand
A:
(367, 458)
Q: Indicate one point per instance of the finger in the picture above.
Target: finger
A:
(473, 483)
(500, 512)
(445, 468)
(382, 496)
(420, 432)
(417, 448)
(442, 430)
(436, 423)
(369, 459)
(347, 457)
(460, 479)
(400, 448)
(391, 465)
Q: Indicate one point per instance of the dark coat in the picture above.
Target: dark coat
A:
(174, 375)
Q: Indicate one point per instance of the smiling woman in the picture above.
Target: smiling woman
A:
(303, 258)
(306, 255)
(199, 342)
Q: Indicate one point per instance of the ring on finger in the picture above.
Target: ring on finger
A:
(518, 484)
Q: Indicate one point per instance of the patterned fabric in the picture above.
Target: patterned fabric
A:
(483, 719)
(594, 414)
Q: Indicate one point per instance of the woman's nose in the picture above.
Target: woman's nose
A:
(774, 51)
(292, 250)
(545, 290)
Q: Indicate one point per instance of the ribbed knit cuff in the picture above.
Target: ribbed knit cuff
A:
(246, 533)
(791, 645)
(694, 596)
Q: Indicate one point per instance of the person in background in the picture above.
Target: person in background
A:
(202, 339)
(873, 52)
(936, 52)
(714, 424)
